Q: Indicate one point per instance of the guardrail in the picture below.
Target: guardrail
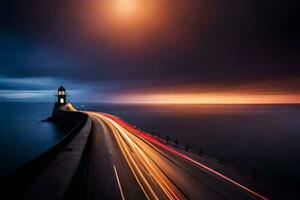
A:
(221, 159)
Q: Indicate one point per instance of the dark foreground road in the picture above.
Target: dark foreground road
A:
(128, 164)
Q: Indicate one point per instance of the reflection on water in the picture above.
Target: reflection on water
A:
(22, 134)
(266, 137)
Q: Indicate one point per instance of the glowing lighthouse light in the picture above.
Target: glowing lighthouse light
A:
(61, 95)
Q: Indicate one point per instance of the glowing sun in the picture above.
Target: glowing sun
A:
(125, 8)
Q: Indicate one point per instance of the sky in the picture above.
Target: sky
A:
(151, 51)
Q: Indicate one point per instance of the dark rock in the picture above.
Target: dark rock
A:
(49, 119)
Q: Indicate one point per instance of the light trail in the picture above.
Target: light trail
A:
(138, 162)
(131, 166)
(146, 162)
(135, 169)
(130, 128)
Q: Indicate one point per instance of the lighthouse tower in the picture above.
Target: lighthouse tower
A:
(61, 96)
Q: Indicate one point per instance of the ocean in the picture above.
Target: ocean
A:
(22, 134)
(264, 137)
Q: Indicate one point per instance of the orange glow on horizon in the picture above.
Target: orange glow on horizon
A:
(209, 98)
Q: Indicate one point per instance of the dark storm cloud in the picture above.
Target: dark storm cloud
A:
(224, 44)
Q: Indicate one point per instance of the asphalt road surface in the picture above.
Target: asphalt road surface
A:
(128, 164)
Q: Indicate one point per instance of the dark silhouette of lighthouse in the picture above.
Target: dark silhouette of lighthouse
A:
(61, 96)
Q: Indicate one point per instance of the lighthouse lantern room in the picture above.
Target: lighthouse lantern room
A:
(62, 95)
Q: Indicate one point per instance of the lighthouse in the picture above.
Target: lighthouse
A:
(61, 95)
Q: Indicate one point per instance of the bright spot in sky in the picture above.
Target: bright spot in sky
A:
(126, 7)
(127, 23)
(124, 13)
(135, 25)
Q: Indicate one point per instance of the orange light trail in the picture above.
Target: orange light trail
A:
(138, 161)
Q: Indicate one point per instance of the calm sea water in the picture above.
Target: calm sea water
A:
(265, 137)
(22, 134)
